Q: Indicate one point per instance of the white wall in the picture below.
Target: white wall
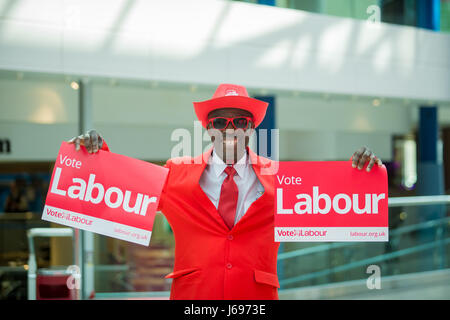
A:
(37, 101)
(204, 43)
(138, 120)
(214, 41)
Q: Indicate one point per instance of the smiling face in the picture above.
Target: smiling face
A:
(230, 144)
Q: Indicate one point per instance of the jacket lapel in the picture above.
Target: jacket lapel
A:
(264, 172)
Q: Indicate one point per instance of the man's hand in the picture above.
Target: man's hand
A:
(361, 156)
(92, 140)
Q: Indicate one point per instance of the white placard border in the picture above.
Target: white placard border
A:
(331, 234)
(96, 225)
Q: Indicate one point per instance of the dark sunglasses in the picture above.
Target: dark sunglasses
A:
(221, 123)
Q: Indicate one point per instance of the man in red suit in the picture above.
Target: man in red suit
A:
(220, 204)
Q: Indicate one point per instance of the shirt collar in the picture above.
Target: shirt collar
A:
(219, 166)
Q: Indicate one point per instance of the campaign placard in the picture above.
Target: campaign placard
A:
(330, 201)
(105, 193)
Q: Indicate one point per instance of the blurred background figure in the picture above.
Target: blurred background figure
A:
(17, 201)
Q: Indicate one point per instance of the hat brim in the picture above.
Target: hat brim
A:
(256, 107)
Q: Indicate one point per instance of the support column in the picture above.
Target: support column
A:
(428, 14)
(84, 240)
(266, 148)
(267, 2)
(430, 174)
(430, 181)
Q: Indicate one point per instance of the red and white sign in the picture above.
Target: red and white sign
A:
(105, 193)
(330, 201)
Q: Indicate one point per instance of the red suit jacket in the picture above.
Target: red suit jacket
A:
(211, 261)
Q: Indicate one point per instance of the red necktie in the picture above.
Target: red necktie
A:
(228, 197)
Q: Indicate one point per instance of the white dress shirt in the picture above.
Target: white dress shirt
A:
(250, 188)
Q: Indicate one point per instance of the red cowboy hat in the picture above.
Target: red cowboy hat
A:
(231, 96)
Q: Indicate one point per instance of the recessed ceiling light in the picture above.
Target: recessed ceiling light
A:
(376, 102)
(74, 85)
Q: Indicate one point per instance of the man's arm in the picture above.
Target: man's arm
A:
(164, 189)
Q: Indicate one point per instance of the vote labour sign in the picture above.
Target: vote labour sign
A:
(330, 201)
(105, 193)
